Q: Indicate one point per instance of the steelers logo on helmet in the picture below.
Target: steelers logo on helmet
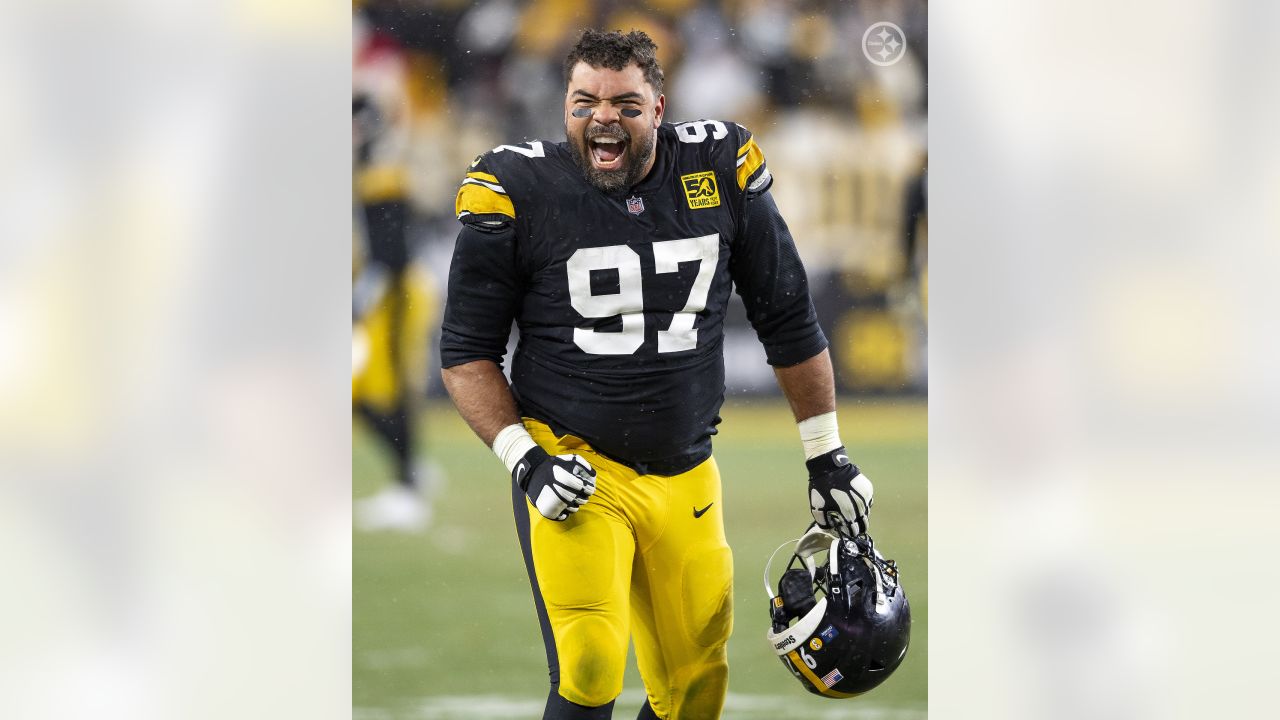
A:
(840, 596)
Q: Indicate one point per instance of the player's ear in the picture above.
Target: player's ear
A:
(659, 108)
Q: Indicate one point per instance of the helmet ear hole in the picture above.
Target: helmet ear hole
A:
(855, 589)
(796, 589)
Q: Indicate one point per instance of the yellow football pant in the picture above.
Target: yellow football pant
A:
(392, 360)
(637, 560)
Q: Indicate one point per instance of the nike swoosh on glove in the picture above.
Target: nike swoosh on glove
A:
(840, 496)
(557, 485)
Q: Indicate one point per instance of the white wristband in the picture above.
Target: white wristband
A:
(512, 442)
(820, 434)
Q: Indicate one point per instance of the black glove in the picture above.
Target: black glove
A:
(558, 485)
(840, 496)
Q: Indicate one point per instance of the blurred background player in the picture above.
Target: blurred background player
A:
(392, 298)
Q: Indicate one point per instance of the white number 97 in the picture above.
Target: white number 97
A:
(628, 301)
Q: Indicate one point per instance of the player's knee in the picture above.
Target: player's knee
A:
(593, 656)
(591, 677)
(708, 597)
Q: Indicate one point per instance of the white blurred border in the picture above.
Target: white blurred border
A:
(174, 269)
(174, 229)
(1103, 401)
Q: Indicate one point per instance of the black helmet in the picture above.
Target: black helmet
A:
(852, 637)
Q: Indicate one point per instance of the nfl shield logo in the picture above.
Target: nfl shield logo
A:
(635, 205)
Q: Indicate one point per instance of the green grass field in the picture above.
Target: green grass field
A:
(443, 623)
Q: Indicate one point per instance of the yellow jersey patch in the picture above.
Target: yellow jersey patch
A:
(700, 190)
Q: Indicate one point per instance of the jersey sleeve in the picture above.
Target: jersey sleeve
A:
(482, 200)
(752, 172)
(771, 280)
(482, 297)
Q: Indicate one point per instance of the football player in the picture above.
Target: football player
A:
(615, 252)
(391, 296)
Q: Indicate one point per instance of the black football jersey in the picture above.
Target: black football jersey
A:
(620, 298)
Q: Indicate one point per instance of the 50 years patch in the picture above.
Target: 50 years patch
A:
(700, 190)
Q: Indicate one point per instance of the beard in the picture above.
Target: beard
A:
(638, 152)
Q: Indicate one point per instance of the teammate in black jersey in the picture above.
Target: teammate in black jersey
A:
(614, 252)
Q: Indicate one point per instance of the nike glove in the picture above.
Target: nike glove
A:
(558, 485)
(840, 496)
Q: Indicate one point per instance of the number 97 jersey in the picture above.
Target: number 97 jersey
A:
(620, 298)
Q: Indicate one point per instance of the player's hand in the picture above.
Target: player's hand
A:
(840, 496)
(557, 485)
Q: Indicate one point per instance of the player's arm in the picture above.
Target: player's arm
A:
(484, 291)
(770, 278)
(839, 494)
(483, 398)
(809, 386)
(557, 486)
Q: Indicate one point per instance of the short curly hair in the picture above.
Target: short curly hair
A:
(615, 51)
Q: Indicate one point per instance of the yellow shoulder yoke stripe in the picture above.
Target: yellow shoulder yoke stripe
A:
(483, 176)
(747, 146)
(480, 200)
(755, 159)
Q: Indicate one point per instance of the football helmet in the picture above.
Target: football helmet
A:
(852, 623)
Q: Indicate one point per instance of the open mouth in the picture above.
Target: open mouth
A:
(607, 151)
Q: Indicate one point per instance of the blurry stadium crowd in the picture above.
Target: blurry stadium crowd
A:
(845, 139)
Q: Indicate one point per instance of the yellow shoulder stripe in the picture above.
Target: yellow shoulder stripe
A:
(750, 158)
(483, 176)
(479, 200)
